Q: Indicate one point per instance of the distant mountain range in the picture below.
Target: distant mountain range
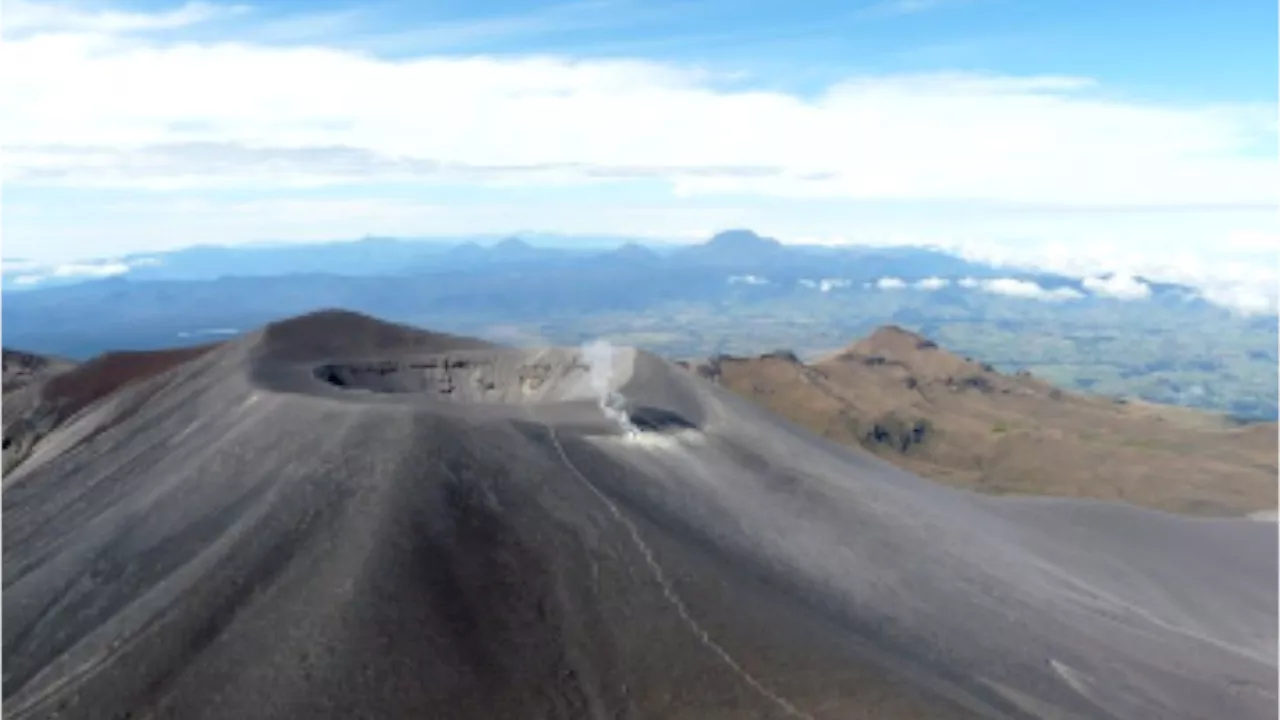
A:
(369, 256)
(740, 253)
(738, 290)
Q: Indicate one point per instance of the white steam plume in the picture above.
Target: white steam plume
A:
(598, 355)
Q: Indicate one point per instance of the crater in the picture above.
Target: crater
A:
(595, 379)
(488, 376)
(651, 419)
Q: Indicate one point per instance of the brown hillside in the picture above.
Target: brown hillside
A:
(960, 422)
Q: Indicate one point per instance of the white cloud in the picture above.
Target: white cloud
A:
(35, 274)
(890, 283)
(825, 284)
(1014, 287)
(105, 269)
(1242, 299)
(1243, 277)
(747, 280)
(92, 106)
(1254, 241)
(1119, 286)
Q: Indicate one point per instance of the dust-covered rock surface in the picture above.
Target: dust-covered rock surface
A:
(338, 518)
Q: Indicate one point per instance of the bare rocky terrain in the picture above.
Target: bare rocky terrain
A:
(334, 517)
(23, 368)
(958, 421)
(26, 415)
(41, 393)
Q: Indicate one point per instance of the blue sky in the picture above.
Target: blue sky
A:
(1121, 132)
(1180, 51)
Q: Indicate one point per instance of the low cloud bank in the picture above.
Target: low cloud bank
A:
(1118, 286)
(1241, 275)
(932, 283)
(1012, 287)
(31, 274)
(825, 284)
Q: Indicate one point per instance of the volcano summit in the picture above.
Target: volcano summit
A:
(335, 517)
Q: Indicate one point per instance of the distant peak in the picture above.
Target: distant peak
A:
(470, 247)
(893, 342)
(741, 238)
(513, 243)
(339, 332)
(324, 317)
(897, 334)
(634, 250)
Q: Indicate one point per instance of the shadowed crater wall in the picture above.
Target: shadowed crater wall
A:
(508, 377)
(497, 376)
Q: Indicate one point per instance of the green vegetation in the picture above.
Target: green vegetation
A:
(1198, 357)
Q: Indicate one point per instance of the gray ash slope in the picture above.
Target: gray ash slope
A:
(335, 517)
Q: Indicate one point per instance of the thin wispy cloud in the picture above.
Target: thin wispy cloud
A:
(213, 164)
(470, 32)
(24, 17)
(323, 27)
(372, 29)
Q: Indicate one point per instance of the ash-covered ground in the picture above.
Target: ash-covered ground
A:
(335, 517)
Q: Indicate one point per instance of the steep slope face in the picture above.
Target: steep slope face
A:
(45, 393)
(291, 527)
(958, 421)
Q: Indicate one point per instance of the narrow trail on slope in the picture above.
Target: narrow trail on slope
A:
(669, 593)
